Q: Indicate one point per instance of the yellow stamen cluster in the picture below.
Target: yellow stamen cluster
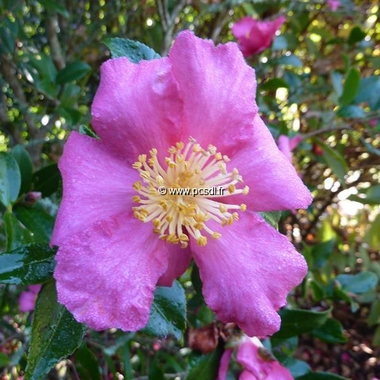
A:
(176, 217)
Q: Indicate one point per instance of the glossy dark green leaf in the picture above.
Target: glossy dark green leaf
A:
(135, 51)
(272, 217)
(336, 162)
(372, 196)
(10, 179)
(295, 322)
(55, 6)
(350, 87)
(352, 112)
(168, 312)
(370, 147)
(274, 84)
(47, 179)
(296, 367)
(330, 332)
(4, 360)
(205, 367)
(86, 363)
(360, 283)
(356, 35)
(369, 91)
(321, 252)
(37, 220)
(290, 60)
(27, 265)
(321, 376)
(25, 165)
(55, 334)
(72, 72)
(16, 234)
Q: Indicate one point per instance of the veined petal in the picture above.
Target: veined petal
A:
(245, 274)
(178, 261)
(273, 182)
(218, 90)
(96, 185)
(106, 275)
(137, 107)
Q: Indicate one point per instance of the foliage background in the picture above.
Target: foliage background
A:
(319, 79)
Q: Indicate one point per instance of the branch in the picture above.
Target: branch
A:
(55, 47)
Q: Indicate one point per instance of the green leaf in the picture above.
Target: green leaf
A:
(370, 147)
(296, 367)
(372, 236)
(321, 376)
(27, 265)
(321, 252)
(376, 337)
(356, 35)
(168, 312)
(55, 334)
(336, 80)
(272, 217)
(4, 360)
(55, 6)
(47, 180)
(15, 233)
(372, 196)
(205, 367)
(374, 314)
(330, 332)
(86, 363)
(25, 165)
(336, 162)
(10, 179)
(297, 321)
(350, 87)
(358, 283)
(72, 72)
(135, 51)
(37, 220)
(274, 84)
(290, 60)
(351, 112)
(369, 91)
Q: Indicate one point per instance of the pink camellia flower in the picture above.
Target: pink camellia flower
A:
(184, 122)
(258, 363)
(333, 4)
(27, 300)
(254, 36)
(287, 145)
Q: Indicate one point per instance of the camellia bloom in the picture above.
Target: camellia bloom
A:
(287, 145)
(27, 300)
(333, 4)
(184, 122)
(254, 36)
(259, 363)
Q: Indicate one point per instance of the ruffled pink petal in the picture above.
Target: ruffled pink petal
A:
(96, 185)
(137, 107)
(254, 36)
(223, 366)
(248, 272)
(218, 90)
(284, 146)
(246, 375)
(273, 182)
(27, 300)
(257, 367)
(178, 262)
(106, 274)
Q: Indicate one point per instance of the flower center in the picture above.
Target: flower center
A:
(182, 198)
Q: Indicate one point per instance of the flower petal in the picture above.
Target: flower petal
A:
(137, 107)
(273, 182)
(248, 272)
(106, 275)
(224, 363)
(178, 262)
(96, 185)
(218, 90)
